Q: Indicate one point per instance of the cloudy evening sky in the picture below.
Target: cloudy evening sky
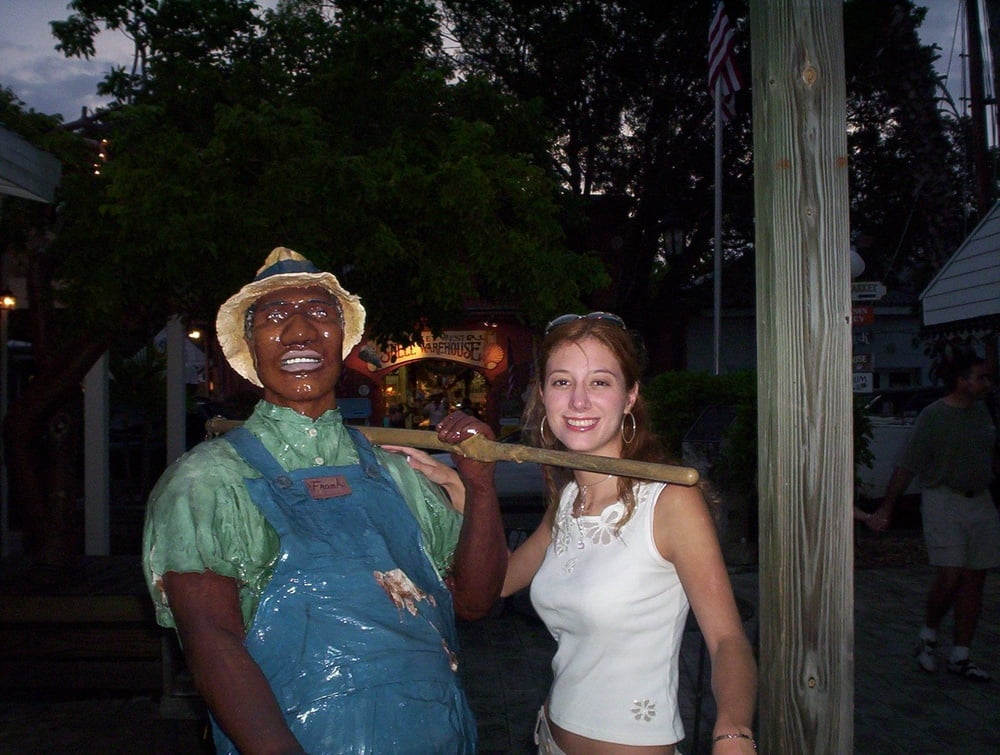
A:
(48, 82)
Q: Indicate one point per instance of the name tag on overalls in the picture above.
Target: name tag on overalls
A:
(328, 487)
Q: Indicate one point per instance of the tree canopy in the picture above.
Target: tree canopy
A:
(538, 153)
(546, 137)
(344, 137)
(910, 205)
(624, 85)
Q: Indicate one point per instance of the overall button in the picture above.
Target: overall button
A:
(312, 432)
(319, 461)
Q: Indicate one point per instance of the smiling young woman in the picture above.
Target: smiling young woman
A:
(615, 566)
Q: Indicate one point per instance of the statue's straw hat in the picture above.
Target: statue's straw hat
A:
(283, 268)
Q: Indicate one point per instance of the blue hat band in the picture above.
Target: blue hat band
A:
(287, 266)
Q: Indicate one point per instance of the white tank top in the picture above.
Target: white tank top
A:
(617, 610)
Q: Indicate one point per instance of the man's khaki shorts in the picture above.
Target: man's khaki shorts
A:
(960, 531)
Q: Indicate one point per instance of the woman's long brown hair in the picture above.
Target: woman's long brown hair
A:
(644, 446)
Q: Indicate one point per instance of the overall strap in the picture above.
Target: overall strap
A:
(366, 456)
(253, 452)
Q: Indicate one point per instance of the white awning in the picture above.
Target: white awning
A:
(25, 170)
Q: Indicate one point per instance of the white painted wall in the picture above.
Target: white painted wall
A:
(968, 286)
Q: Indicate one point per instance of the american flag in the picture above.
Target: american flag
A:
(721, 61)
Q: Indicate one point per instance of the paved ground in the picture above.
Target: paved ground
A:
(898, 708)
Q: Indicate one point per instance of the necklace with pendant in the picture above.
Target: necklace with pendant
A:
(584, 506)
(584, 499)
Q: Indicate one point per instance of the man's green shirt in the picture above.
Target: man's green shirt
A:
(200, 515)
(951, 447)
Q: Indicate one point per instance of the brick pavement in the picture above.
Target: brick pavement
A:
(898, 708)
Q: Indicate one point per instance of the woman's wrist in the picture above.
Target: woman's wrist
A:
(737, 736)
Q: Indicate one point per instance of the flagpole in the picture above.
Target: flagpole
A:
(717, 277)
(724, 79)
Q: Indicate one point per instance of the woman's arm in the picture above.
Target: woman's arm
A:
(435, 471)
(206, 610)
(475, 592)
(524, 562)
(685, 535)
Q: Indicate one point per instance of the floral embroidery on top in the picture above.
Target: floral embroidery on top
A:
(563, 524)
(644, 710)
(601, 530)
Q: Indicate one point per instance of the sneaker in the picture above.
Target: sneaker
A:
(924, 653)
(969, 670)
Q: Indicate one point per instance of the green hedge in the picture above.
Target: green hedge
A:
(676, 399)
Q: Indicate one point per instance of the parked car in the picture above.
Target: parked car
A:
(902, 402)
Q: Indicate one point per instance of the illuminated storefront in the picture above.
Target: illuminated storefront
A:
(482, 370)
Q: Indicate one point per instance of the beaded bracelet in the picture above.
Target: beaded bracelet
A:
(736, 735)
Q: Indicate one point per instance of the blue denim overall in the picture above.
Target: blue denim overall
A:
(355, 631)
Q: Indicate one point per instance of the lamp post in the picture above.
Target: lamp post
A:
(857, 263)
(672, 232)
(7, 303)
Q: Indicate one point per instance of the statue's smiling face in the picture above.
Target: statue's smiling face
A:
(297, 342)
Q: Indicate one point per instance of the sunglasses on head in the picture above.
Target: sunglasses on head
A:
(563, 319)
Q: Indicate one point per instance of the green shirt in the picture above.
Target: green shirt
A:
(951, 447)
(200, 515)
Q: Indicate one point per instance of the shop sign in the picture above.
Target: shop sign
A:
(867, 291)
(473, 347)
(864, 382)
(862, 362)
(863, 314)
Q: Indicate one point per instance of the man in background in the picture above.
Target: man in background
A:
(952, 451)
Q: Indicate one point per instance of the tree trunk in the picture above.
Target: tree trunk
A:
(804, 379)
(42, 439)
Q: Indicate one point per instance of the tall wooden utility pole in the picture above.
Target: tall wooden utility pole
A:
(993, 42)
(977, 101)
(804, 377)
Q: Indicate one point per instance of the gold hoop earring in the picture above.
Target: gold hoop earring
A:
(635, 427)
(541, 430)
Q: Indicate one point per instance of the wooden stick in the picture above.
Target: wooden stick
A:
(481, 448)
